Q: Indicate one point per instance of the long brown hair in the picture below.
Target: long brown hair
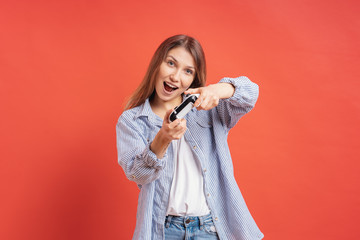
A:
(146, 89)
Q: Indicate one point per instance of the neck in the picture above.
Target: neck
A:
(160, 107)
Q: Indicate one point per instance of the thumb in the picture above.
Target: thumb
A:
(167, 114)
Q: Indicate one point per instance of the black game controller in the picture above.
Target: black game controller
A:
(185, 107)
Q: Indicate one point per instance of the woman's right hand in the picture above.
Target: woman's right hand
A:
(168, 132)
(173, 130)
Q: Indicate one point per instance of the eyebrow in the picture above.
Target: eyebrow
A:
(177, 61)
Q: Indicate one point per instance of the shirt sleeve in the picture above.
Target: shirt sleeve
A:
(243, 100)
(139, 163)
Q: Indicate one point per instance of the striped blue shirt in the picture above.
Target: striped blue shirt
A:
(207, 133)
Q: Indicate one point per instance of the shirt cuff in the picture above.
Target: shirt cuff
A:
(151, 159)
(244, 88)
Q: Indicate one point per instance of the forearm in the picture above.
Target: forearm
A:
(243, 100)
(245, 92)
(139, 163)
(159, 145)
(143, 167)
(223, 90)
(168, 132)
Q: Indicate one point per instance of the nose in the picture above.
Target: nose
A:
(175, 76)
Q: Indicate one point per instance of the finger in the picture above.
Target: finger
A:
(179, 134)
(180, 124)
(206, 104)
(183, 131)
(183, 123)
(167, 114)
(201, 106)
(213, 101)
(175, 123)
(200, 99)
(201, 102)
(192, 91)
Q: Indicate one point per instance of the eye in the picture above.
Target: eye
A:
(170, 63)
(189, 71)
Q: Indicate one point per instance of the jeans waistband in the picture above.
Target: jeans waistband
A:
(188, 221)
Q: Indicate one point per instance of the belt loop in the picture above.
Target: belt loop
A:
(201, 221)
(168, 221)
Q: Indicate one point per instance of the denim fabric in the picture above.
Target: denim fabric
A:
(190, 228)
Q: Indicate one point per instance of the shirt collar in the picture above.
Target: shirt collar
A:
(146, 111)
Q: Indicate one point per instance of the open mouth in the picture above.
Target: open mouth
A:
(169, 88)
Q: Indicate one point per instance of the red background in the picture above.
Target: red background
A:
(66, 68)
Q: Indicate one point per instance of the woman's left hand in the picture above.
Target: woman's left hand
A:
(208, 98)
(211, 94)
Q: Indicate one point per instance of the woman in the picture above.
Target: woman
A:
(184, 168)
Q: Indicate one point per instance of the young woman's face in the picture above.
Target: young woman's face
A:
(175, 75)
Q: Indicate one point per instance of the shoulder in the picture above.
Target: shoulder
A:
(129, 116)
(131, 113)
(136, 120)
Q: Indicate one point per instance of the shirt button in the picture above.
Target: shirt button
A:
(194, 147)
(208, 194)
(205, 169)
(216, 219)
(133, 176)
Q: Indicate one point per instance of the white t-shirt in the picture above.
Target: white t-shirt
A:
(187, 196)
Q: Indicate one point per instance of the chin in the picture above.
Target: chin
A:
(170, 98)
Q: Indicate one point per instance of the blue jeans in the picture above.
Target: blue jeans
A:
(190, 228)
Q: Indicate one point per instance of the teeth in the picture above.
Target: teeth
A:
(171, 85)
